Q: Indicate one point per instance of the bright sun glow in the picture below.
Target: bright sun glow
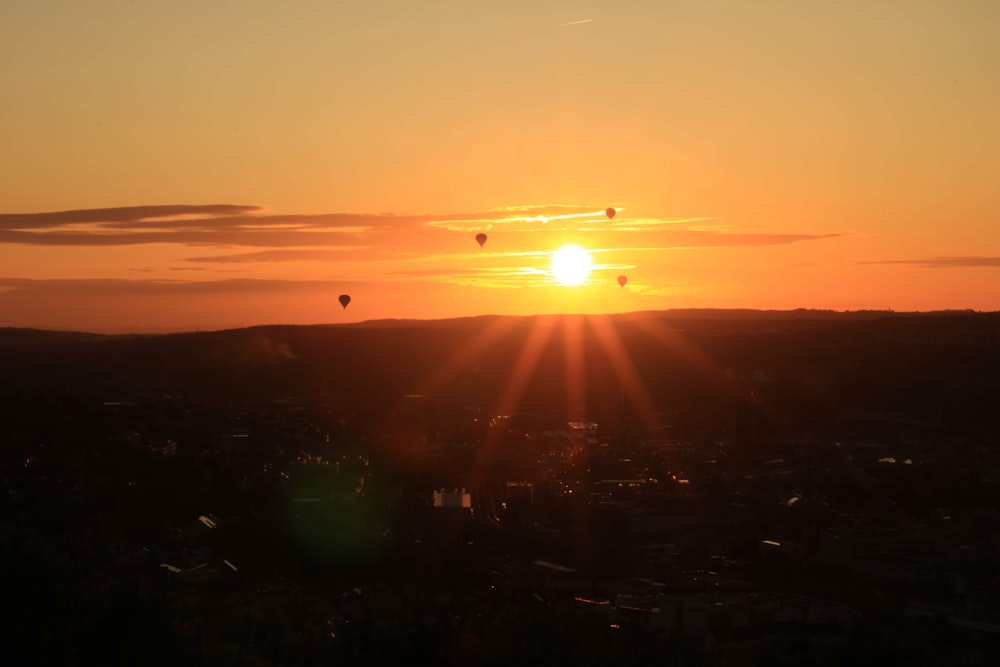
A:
(571, 265)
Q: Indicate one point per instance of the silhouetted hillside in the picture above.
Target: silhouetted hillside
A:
(797, 366)
(15, 336)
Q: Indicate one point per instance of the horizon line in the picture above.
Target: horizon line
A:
(190, 329)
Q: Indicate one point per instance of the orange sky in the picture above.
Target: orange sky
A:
(245, 162)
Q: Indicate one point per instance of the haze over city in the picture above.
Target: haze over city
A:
(172, 166)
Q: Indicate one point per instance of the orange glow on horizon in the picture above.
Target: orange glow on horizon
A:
(369, 170)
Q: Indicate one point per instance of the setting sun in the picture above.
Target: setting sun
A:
(571, 265)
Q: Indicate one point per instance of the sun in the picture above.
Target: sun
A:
(571, 265)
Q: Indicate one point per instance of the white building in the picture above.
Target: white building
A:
(461, 499)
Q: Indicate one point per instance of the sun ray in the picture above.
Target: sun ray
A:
(574, 343)
(576, 394)
(460, 361)
(511, 395)
(628, 378)
(708, 367)
(685, 350)
(477, 478)
(523, 369)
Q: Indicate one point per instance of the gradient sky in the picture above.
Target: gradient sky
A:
(173, 164)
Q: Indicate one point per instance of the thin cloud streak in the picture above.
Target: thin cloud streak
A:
(217, 225)
(528, 219)
(581, 21)
(123, 287)
(686, 239)
(217, 217)
(357, 221)
(501, 276)
(173, 224)
(478, 255)
(647, 224)
(706, 239)
(495, 271)
(327, 254)
(258, 238)
(119, 214)
(648, 290)
(943, 262)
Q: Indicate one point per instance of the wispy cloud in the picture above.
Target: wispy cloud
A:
(197, 226)
(295, 255)
(120, 214)
(238, 225)
(231, 225)
(545, 217)
(690, 238)
(496, 276)
(657, 290)
(269, 238)
(648, 224)
(943, 262)
(121, 287)
(704, 239)
(580, 22)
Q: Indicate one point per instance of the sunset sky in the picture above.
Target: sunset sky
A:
(180, 164)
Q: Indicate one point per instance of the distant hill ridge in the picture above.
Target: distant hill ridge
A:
(17, 336)
(803, 365)
(33, 336)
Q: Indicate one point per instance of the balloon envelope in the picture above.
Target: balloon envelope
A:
(344, 299)
(480, 239)
(610, 213)
(622, 280)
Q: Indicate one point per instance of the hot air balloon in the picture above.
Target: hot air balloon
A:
(610, 213)
(344, 299)
(480, 239)
(622, 280)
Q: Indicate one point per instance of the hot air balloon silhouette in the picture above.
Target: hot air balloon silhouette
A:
(622, 280)
(610, 213)
(344, 299)
(480, 239)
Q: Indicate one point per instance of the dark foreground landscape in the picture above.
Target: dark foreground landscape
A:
(682, 488)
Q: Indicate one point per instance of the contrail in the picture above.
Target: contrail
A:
(563, 25)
